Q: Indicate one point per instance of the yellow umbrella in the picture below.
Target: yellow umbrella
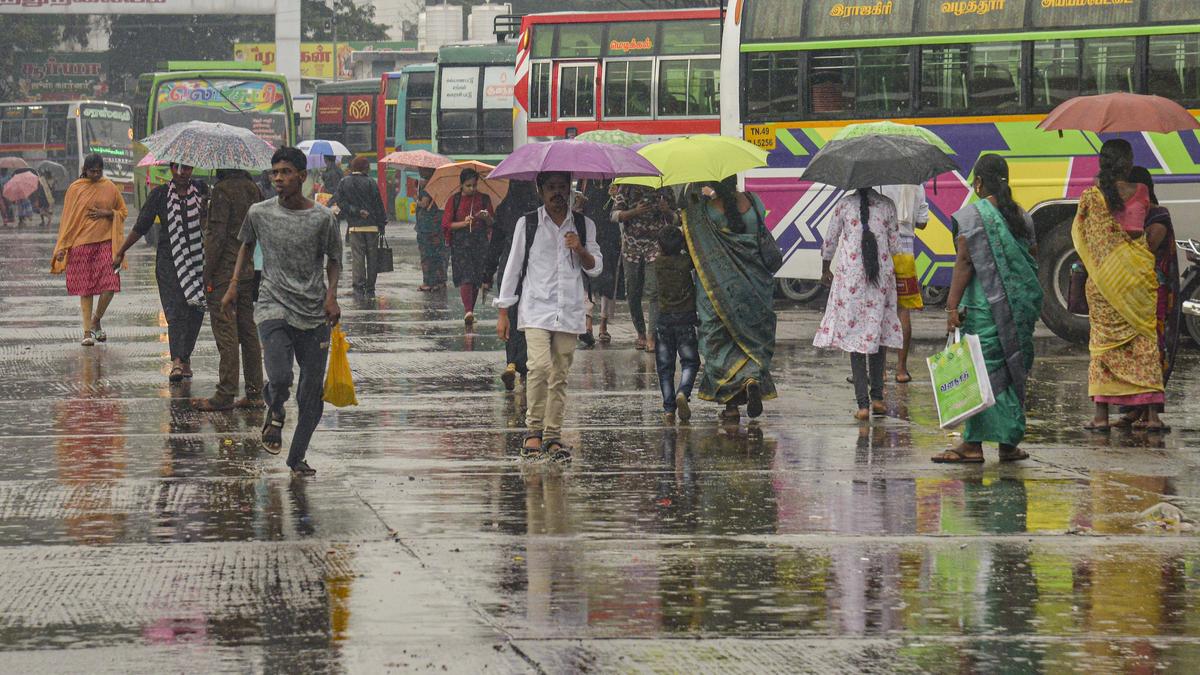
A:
(445, 182)
(698, 159)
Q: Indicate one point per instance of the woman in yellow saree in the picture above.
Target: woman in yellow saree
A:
(1122, 292)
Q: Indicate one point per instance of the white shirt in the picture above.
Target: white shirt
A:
(553, 297)
(912, 208)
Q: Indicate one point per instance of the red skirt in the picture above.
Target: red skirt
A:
(89, 270)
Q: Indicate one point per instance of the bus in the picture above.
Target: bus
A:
(305, 107)
(473, 95)
(980, 74)
(412, 129)
(232, 92)
(65, 132)
(655, 73)
(347, 112)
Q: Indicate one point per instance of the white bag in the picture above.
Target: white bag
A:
(961, 385)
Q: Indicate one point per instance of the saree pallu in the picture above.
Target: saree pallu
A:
(1122, 293)
(734, 301)
(1166, 265)
(1002, 303)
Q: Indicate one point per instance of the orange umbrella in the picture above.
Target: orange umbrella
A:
(1119, 112)
(445, 182)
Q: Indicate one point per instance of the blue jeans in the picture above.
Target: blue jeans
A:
(674, 340)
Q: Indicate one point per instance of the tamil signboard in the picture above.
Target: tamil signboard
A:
(316, 58)
(62, 76)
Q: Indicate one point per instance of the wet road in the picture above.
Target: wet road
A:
(139, 535)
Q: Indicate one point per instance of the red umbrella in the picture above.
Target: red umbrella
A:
(1120, 112)
(21, 186)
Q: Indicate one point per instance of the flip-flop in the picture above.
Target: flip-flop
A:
(207, 405)
(1160, 429)
(953, 456)
(604, 337)
(1097, 429)
(1017, 456)
(905, 380)
(272, 435)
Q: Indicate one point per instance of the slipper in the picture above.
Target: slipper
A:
(1016, 456)
(1097, 429)
(176, 374)
(272, 435)
(248, 403)
(903, 379)
(556, 451)
(1154, 429)
(208, 405)
(604, 337)
(953, 456)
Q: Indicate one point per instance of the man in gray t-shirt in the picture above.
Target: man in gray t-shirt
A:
(297, 301)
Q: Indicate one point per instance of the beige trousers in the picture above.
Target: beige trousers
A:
(550, 356)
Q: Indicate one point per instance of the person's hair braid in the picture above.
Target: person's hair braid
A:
(992, 172)
(870, 245)
(1116, 160)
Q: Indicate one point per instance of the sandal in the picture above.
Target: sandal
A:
(1127, 422)
(272, 435)
(210, 405)
(89, 339)
(187, 371)
(1159, 428)
(1097, 428)
(640, 344)
(528, 451)
(561, 454)
(604, 337)
(955, 456)
(754, 406)
(99, 334)
(249, 403)
(903, 379)
(1014, 455)
(878, 408)
(424, 288)
(176, 374)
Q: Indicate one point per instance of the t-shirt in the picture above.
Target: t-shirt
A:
(676, 290)
(295, 246)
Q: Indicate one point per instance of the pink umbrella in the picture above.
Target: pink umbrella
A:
(418, 159)
(21, 186)
(13, 163)
(149, 160)
(581, 159)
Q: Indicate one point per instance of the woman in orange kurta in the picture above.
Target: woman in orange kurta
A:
(90, 232)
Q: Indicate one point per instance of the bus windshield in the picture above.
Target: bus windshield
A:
(260, 106)
(106, 131)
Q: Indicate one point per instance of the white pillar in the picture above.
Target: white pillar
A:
(287, 42)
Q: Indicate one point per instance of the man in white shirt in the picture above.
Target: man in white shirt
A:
(912, 214)
(553, 298)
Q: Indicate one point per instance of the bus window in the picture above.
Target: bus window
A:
(864, 81)
(577, 91)
(35, 132)
(689, 87)
(359, 138)
(497, 132)
(539, 91)
(691, 37)
(579, 40)
(56, 132)
(1055, 72)
(976, 77)
(627, 88)
(1174, 67)
(542, 43)
(773, 84)
(1108, 66)
(418, 115)
(456, 131)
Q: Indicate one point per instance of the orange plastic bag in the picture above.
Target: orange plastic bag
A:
(339, 382)
(908, 289)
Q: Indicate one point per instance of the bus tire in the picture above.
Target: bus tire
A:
(1056, 254)
(934, 296)
(1191, 324)
(800, 290)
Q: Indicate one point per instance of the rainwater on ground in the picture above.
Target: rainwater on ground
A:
(137, 535)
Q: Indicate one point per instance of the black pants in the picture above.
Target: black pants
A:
(867, 370)
(183, 320)
(282, 344)
(515, 350)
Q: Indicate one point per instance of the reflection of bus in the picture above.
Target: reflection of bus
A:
(230, 92)
(981, 82)
(656, 73)
(346, 112)
(412, 130)
(474, 101)
(66, 132)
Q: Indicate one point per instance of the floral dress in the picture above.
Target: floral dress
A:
(860, 317)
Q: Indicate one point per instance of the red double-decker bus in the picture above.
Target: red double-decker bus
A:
(655, 73)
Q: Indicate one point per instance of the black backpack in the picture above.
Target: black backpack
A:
(531, 228)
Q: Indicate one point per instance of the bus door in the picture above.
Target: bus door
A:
(576, 95)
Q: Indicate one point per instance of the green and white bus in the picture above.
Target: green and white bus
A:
(473, 96)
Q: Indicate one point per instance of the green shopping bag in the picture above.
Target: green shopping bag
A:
(961, 386)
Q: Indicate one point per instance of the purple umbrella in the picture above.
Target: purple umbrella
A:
(581, 159)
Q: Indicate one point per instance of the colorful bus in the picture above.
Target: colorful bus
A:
(473, 96)
(656, 73)
(234, 93)
(412, 130)
(980, 74)
(65, 132)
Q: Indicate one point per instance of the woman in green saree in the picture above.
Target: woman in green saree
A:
(993, 237)
(734, 298)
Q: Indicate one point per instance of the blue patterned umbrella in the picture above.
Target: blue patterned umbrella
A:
(210, 145)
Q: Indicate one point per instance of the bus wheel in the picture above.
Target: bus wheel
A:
(934, 296)
(800, 290)
(1055, 256)
(1191, 323)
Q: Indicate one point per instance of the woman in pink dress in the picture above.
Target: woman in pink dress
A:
(860, 316)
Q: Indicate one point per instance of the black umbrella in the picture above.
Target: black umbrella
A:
(868, 161)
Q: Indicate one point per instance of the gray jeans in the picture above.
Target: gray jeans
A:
(362, 260)
(641, 283)
(282, 344)
(867, 370)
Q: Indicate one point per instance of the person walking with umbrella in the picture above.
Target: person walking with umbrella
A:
(467, 225)
(358, 198)
(431, 243)
(331, 175)
(179, 206)
(643, 214)
(92, 224)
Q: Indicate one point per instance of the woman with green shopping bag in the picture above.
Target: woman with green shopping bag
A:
(993, 237)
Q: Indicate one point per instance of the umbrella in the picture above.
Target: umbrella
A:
(890, 129)
(21, 186)
(324, 148)
(612, 137)
(12, 163)
(418, 159)
(210, 145)
(877, 160)
(57, 171)
(149, 160)
(444, 182)
(581, 159)
(1119, 112)
(699, 159)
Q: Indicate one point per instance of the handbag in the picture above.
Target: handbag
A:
(339, 382)
(768, 249)
(1077, 302)
(384, 260)
(961, 385)
(908, 289)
